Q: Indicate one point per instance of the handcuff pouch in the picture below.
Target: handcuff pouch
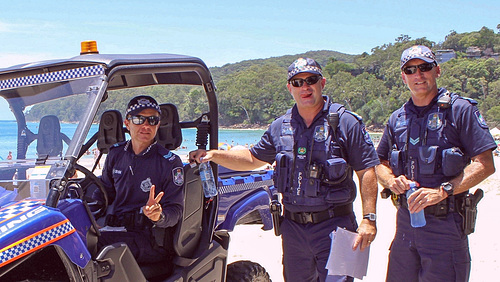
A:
(427, 159)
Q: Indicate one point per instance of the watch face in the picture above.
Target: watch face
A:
(448, 187)
(370, 216)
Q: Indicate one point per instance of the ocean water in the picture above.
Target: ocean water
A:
(8, 138)
(227, 137)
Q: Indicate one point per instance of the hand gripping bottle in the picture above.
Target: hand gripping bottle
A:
(417, 219)
(207, 178)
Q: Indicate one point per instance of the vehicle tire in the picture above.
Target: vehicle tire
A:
(246, 271)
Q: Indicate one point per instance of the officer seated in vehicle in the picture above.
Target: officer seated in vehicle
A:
(144, 181)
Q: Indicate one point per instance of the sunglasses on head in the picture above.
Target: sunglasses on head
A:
(138, 119)
(298, 82)
(425, 67)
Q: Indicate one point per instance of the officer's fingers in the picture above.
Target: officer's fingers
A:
(399, 185)
(196, 155)
(152, 192)
(158, 197)
(357, 242)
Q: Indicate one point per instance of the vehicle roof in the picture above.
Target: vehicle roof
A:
(110, 60)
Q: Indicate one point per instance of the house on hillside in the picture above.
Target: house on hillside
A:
(445, 55)
(488, 53)
(473, 52)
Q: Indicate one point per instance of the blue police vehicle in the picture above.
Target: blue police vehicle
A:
(64, 110)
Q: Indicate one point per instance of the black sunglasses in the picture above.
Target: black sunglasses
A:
(298, 82)
(138, 120)
(425, 67)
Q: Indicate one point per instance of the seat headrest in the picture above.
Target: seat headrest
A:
(169, 134)
(49, 136)
(110, 130)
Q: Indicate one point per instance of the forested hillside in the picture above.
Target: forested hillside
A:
(253, 92)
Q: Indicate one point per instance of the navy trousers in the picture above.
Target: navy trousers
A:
(439, 251)
(306, 248)
(141, 244)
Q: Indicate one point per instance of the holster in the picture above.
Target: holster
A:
(276, 211)
(469, 210)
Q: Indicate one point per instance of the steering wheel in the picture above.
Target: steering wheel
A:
(98, 208)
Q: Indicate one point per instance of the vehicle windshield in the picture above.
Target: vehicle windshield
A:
(52, 114)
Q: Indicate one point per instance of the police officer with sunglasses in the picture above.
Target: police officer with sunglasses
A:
(439, 142)
(144, 182)
(317, 145)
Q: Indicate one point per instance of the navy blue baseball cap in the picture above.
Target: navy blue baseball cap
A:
(139, 103)
(418, 52)
(304, 65)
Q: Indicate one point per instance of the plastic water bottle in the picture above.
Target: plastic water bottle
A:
(417, 219)
(207, 178)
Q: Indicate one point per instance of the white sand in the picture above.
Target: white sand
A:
(249, 242)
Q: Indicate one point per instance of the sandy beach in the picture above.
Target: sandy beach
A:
(249, 242)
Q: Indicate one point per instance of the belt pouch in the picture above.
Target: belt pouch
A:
(427, 159)
(335, 168)
(453, 161)
(441, 209)
(396, 162)
(339, 195)
(311, 187)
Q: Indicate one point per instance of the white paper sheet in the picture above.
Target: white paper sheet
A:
(343, 260)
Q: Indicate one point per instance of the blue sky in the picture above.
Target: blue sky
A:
(221, 32)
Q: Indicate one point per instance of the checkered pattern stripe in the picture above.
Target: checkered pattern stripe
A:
(419, 52)
(17, 208)
(244, 186)
(24, 247)
(143, 103)
(303, 69)
(52, 77)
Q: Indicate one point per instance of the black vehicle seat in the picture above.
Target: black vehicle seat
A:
(50, 138)
(169, 134)
(189, 230)
(110, 132)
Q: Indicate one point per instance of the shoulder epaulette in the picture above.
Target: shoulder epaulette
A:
(470, 100)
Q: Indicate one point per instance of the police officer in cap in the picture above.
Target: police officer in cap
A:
(439, 142)
(144, 181)
(316, 145)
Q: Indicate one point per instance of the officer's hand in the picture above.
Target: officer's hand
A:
(153, 208)
(367, 231)
(424, 197)
(399, 185)
(198, 155)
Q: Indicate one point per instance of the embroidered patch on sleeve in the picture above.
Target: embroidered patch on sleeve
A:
(480, 119)
(178, 176)
(368, 139)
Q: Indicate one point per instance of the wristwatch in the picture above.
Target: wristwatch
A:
(447, 187)
(370, 216)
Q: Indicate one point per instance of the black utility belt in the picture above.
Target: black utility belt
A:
(317, 217)
(440, 209)
(129, 220)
